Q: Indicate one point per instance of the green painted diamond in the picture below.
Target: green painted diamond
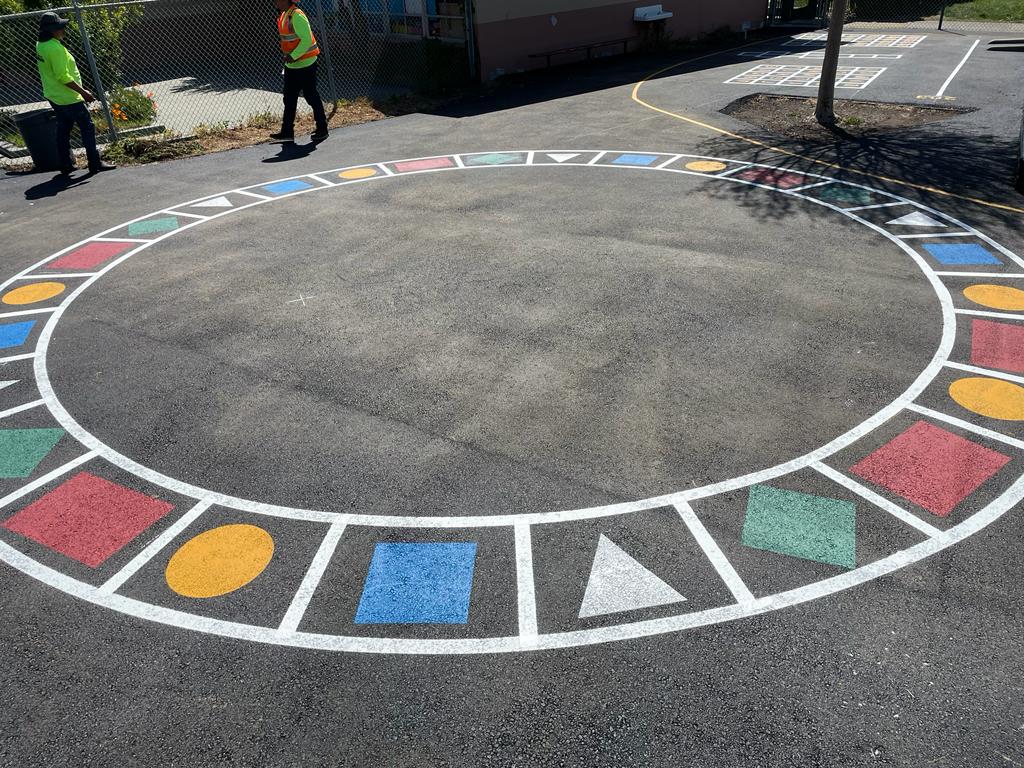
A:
(801, 525)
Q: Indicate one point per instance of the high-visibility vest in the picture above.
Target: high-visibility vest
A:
(289, 40)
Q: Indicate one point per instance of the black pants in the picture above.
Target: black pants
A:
(302, 81)
(67, 117)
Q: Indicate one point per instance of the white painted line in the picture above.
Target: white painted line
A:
(23, 312)
(734, 169)
(595, 158)
(872, 79)
(527, 600)
(15, 358)
(991, 434)
(958, 67)
(728, 574)
(61, 275)
(879, 501)
(119, 240)
(172, 212)
(311, 580)
(671, 160)
(984, 372)
(876, 205)
(999, 275)
(529, 157)
(984, 313)
(254, 194)
(458, 161)
(322, 180)
(918, 236)
(388, 171)
(133, 566)
(20, 408)
(809, 186)
(39, 482)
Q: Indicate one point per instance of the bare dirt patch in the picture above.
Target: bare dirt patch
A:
(793, 116)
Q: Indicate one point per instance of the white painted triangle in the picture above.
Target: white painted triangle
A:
(6, 384)
(619, 583)
(916, 219)
(561, 157)
(217, 202)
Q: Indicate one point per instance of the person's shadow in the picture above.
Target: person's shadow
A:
(291, 151)
(53, 187)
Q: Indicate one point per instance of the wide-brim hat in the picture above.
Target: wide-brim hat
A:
(51, 21)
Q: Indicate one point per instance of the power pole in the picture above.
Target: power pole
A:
(824, 113)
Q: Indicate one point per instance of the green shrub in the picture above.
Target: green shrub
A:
(131, 106)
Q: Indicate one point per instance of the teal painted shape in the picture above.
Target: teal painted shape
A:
(153, 226)
(21, 450)
(497, 158)
(801, 525)
(840, 193)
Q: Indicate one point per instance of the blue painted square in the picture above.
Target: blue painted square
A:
(418, 584)
(634, 159)
(961, 253)
(284, 187)
(14, 334)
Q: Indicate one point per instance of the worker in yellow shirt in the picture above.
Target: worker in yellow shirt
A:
(300, 67)
(62, 87)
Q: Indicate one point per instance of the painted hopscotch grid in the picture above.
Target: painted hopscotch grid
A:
(863, 40)
(287, 632)
(816, 55)
(854, 78)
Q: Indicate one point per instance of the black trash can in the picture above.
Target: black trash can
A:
(39, 130)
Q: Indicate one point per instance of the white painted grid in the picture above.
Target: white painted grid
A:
(792, 75)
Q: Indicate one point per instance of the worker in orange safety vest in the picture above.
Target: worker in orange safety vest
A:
(300, 68)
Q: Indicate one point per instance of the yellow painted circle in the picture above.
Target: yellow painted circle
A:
(994, 398)
(219, 561)
(706, 166)
(996, 296)
(30, 294)
(358, 173)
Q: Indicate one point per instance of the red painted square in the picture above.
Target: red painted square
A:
(90, 255)
(88, 518)
(997, 345)
(425, 165)
(773, 177)
(931, 467)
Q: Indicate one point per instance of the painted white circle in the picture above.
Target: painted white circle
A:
(721, 170)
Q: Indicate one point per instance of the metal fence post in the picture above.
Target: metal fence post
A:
(942, 15)
(101, 93)
(326, 50)
(470, 37)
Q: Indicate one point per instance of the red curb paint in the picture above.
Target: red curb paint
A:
(997, 345)
(931, 467)
(425, 165)
(88, 518)
(90, 255)
(773, 177)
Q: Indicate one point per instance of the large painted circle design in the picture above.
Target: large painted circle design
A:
(937, 464)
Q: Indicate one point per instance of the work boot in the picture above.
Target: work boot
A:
(320, 134)
(101, 167)
(282, 137)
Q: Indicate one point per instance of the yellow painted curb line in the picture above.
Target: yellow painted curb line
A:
(769, 147)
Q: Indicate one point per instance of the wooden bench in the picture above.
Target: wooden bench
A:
(588, 47)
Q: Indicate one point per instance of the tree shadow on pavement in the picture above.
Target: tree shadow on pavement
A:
(937, 156)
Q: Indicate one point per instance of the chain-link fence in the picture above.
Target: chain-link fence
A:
(185, 65)
(955, 16)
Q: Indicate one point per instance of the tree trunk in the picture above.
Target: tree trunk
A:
(825, 111)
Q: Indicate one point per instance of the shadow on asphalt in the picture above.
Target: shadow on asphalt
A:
(289, 152)
(54, 186)
(938, 156)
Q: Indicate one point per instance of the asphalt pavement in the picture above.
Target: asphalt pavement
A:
(504, 427)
